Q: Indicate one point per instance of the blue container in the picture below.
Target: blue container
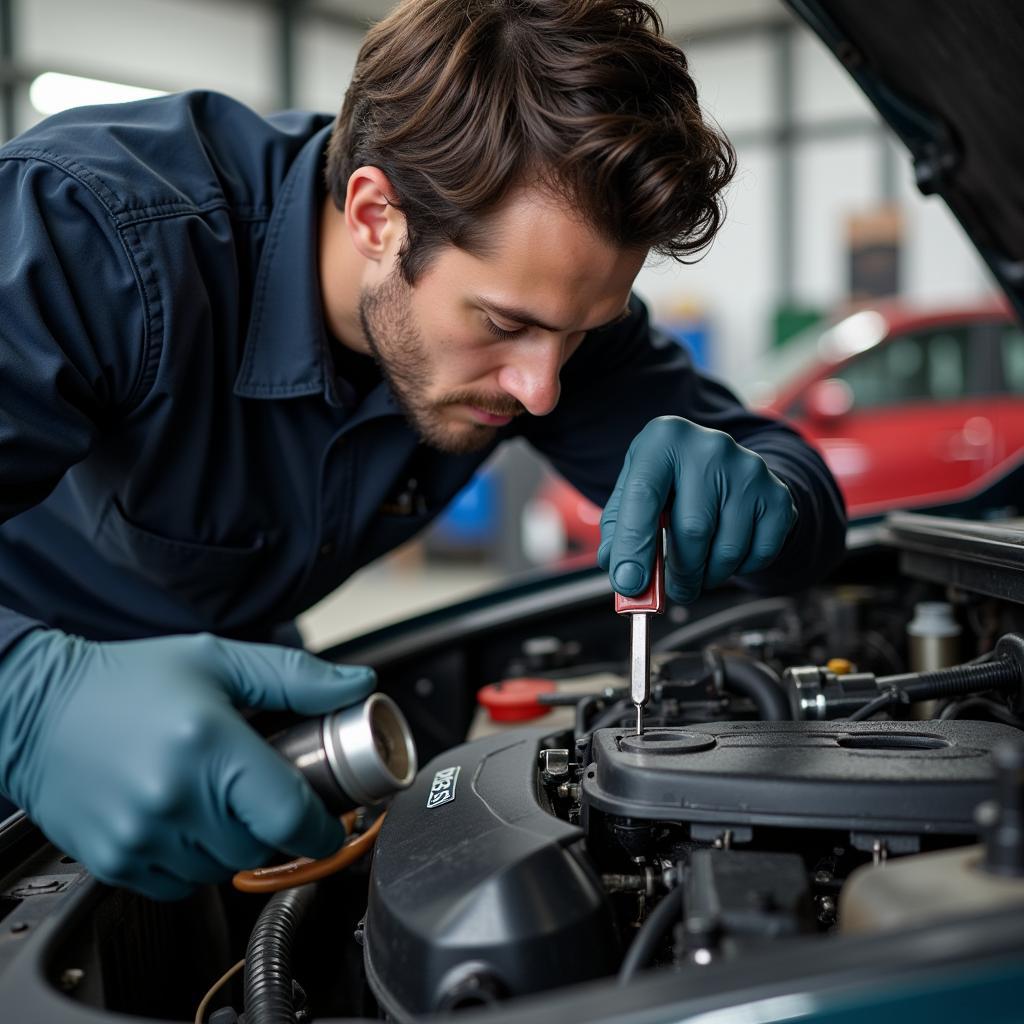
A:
(471, 520)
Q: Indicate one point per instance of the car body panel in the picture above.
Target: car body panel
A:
(929, 411)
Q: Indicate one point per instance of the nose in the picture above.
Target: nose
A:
(531, 374)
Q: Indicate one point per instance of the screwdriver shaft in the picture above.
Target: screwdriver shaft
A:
(640, 608)
(640, 665)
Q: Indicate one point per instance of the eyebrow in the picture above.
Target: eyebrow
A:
(527, 319)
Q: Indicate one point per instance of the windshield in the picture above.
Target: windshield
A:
(761, 383)
(823, 342)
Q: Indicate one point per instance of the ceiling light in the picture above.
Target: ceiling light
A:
(51, 92)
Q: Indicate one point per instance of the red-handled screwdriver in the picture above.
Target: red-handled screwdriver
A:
(640, 609)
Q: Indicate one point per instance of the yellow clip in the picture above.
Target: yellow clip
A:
(840, 666)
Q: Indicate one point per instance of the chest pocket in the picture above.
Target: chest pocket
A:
(208, 576)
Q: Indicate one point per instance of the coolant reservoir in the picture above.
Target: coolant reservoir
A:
(914, 890)
(934, 636)
(513, 703)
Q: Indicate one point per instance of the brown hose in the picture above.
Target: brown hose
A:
(304, 869)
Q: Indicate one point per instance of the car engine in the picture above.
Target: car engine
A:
(514, 866)
(768, 801)
(831, 781)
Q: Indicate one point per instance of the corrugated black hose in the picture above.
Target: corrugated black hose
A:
(268, 958)
(957, 681)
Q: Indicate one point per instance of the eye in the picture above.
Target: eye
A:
(499, 333)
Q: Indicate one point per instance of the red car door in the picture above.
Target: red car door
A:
(1008, 405)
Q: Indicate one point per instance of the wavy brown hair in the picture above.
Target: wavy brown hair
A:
(457, 101)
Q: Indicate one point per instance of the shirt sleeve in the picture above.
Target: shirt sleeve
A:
(71, 333)
(622, 377)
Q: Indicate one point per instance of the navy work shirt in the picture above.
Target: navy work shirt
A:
(182, 447)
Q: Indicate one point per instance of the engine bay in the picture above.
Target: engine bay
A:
(823, 786)
(545, 865)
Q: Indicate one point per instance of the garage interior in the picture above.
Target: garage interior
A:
(815, 810)
(818, 170)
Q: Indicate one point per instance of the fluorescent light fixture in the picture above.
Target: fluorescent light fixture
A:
(51, 92)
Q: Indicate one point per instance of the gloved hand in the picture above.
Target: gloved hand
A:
(729, 513)
(132, 758)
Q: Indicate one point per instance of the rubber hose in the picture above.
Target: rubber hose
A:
(755, 680)
(611, 716)
(652, 931)
(583, 709)
(882, 701)
(961, 680)
(721, 622)
(268, 958)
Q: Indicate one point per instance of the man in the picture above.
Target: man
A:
(241, 357)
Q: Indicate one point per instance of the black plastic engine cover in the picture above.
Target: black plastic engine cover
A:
(902, 777)
(477, 891)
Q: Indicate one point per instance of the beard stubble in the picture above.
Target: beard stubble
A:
(400, 351)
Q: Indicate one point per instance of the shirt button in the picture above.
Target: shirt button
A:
(327, 549)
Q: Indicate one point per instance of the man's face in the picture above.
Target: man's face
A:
(478, 341)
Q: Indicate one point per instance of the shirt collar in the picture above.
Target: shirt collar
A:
(286, 349)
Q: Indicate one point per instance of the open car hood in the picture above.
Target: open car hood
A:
(946, 75)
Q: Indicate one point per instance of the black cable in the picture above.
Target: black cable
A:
(592, 701)
(560, 700)
(883, 700)
(570, 672)
(268, 967)
(884, 651)
(612, 716)
(648, 938)
(719, 622)
(754, 679)
(990, 707)
(557, 699)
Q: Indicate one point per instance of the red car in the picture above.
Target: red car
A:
(909, 409)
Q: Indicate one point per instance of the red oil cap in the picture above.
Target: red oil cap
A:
(515, 700)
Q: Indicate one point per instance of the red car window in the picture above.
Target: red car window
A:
(1012, 358)
(928, 366)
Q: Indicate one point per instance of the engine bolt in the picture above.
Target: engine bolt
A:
(826, 909)
(70, 979)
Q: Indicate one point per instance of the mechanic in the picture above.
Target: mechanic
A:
(242, 356)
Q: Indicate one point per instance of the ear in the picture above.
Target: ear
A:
(375, 224)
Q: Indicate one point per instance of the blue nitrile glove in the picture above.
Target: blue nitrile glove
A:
(729, 514)
(131, 757)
